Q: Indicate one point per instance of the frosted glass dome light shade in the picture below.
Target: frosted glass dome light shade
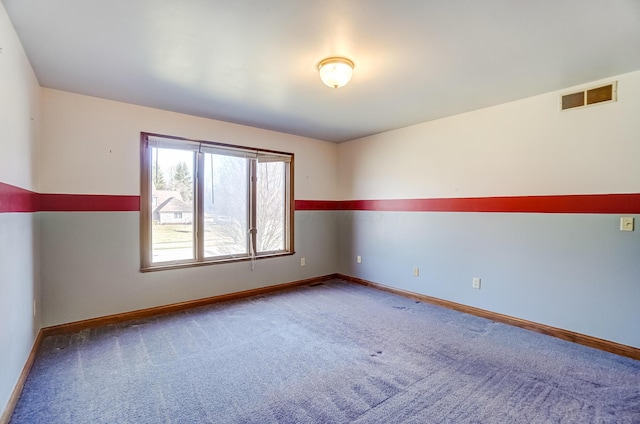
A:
(336, 72)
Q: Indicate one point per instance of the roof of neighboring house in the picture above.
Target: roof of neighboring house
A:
(170, 201)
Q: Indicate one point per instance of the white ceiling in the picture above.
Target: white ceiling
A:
(253, 62)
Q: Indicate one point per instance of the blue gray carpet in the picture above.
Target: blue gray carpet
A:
(330, 353)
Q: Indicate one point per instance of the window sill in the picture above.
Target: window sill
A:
(181, 265)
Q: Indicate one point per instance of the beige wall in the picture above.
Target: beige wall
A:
(19, 111)
(92, 145)
(575, 271)
(19, 268)
(90, 260)
(522, 148)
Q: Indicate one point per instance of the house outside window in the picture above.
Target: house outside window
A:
(204, 202)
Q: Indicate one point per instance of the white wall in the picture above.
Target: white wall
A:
(19, 284)
(92, 146)
(527, 147)
(572, 271)
(90, 260)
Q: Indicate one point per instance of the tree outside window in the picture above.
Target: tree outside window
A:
(208, 203)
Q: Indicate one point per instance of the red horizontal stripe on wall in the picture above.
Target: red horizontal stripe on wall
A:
(88, 203)
(317, 205)
(581, 203)
(16, 199)
(598, 203)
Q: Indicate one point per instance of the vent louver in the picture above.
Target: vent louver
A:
(601, 94)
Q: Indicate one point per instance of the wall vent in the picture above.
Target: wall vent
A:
(596, 95)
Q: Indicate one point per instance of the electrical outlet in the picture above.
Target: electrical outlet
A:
(626, 223)
(303, 261)
(476, 283)
(416, 272)
(359, 259)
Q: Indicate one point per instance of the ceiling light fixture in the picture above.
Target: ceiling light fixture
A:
(336, 72)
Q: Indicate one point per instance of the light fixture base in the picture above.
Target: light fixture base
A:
(336, 71)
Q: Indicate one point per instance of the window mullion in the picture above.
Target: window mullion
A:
(199, 206)
(145, 205)
(288, 210)
(253, 232)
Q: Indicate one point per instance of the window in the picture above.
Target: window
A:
(204, 202)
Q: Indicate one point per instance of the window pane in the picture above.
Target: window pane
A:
(271, 203)
(225, 205)
(200, 199)
(172, 205)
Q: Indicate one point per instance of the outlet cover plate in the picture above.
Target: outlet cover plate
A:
(626, 223)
